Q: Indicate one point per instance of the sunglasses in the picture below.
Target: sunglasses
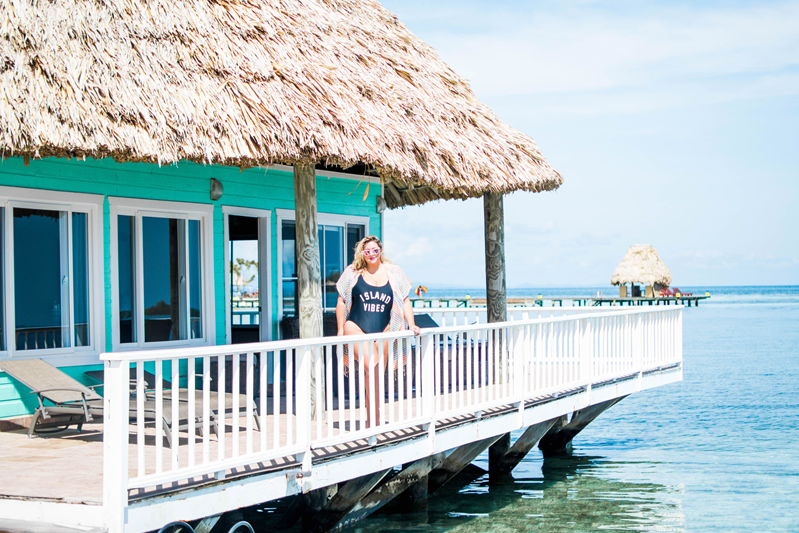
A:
(375, 251)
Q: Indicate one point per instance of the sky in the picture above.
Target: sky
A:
(674, 124)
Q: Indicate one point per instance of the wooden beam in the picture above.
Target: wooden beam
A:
(559, 437)
(309, 271)
(392, 190)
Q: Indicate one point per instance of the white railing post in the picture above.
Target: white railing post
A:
(115, 444)
(428, 389)
(518, 354)
(586, 351)
(303, 399)
(638, 347)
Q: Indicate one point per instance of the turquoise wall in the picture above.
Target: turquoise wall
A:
(183, 182)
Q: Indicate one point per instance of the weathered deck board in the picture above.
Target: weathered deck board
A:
(68, 467)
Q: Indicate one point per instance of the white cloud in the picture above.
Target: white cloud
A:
(651, 57)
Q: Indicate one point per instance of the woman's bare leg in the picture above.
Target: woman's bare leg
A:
(351, 328)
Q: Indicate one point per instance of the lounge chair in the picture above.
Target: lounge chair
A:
(677, 291)
(183, 395)
(70, 397)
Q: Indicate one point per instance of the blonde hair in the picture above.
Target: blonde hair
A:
(359, 262)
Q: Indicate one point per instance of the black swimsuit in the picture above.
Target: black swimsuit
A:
(371, 306)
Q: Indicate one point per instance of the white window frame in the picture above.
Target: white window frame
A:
(92, 205)
(324, 219)
(162, 209)
(264, 217)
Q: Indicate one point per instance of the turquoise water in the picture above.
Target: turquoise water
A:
(717, 452)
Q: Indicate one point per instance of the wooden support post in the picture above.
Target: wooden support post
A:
(311, 504)
(416, 495)
(506, 463)
(392, 486)
(559, 437)
(309, 270)
(456, 461)
(207, 524)
(496, 293)
(496, 452)
(345, 499)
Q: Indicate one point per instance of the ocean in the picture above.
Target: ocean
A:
(718, 452)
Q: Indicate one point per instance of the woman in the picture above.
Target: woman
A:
(373, 298)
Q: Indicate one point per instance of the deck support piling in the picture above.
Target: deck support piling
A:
(410, 479)
(309, 270)
(503, 464)
(456, 461)
(496, 452)
(338, 506)
(559, 437)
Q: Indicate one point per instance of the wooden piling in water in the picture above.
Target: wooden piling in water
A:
(559, 437)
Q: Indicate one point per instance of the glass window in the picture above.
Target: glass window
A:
(2, 285)
(127, 298)
(333, 264)
(288, 266)
(336, 251)
(80, 275)
(355, 232)
(51, 279)
(195, 280)
(170, 288)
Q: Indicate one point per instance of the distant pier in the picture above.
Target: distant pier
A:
(557, 301)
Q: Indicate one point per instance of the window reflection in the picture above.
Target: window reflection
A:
(336, 251)
(41, 282)
(127, 299)
(195, 280)
(80, 277)
(171, 284)
(164, 286)
(355, 232)
(333, 263)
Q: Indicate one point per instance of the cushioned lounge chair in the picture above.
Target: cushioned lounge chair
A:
(70, 397)
(183, 394)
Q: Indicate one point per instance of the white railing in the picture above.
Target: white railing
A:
(250, 403)
(457, 316)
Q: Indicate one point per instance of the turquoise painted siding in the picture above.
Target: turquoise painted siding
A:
(184, 182)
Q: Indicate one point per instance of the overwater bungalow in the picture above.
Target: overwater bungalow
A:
(143, 145)
(641, 265)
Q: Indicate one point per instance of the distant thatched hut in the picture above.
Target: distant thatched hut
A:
(641, 264)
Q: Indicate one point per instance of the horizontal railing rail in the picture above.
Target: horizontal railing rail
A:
(177, 414)
(450, 316)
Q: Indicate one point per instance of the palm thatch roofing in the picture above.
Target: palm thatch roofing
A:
(641, 264)
(250, 83)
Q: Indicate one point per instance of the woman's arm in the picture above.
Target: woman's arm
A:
(341, 315)
(407, 310)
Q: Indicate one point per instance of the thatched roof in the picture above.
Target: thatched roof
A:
(641, 264)
(253, 82)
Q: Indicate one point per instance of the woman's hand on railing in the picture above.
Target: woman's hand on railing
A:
(416, 329)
